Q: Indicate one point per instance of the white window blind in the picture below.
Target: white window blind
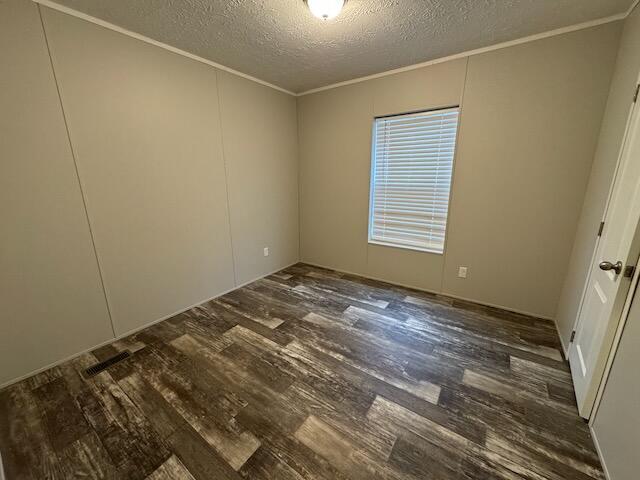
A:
(412, 163)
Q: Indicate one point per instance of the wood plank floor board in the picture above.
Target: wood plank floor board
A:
(44, 377)
(290, 451)
(252, 306)
(351, 292)
(86, 458)
(373, 359)
(200, 459)
(320, 381)
(210, 411)
(418, 458)
(126, 433)
(218, 310)
(455, 422)
(554, 435)
(464, 326)
(63, 421)
(374, 354)
(286, 292)
(265, 465)
(350, 459)
(276, 378)
(310, 374)
(260, 399)
(172, 469)
(561, 392)
(357, 429)
(26, 450)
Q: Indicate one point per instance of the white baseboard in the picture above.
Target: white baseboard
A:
(565, 348)
(597, 445)
(131, 332)
(443, 294)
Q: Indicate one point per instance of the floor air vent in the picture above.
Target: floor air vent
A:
(93, 370)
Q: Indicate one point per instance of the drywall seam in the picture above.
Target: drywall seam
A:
(226, 180)
(137, 329)
(137, 36)
(499, 46)
(298, 165)
(77, 172)
(443, 269)
(371, 170)
(413, 287)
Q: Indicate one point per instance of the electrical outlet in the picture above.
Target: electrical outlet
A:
(266, 251)
(462, 272)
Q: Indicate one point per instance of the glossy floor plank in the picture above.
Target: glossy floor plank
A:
(310, 374)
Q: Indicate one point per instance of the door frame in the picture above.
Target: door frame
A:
(635, 247)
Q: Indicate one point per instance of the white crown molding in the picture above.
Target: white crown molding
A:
(137, 36)
(498, 46)
(571, 28)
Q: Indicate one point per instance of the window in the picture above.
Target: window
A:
(412, 163)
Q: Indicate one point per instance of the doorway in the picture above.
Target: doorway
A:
(611, 275)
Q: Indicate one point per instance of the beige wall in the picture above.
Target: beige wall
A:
(530, 118)
(51, 300)
(177, 160)
(260, 138)
(619, 104)
(187, 173)
(335, 161)
(145, 127)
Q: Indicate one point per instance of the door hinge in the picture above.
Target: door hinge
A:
(600, 229)
(629, 270)
(635, 96)
(573, 335)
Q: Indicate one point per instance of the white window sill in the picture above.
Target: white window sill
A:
(405, 247)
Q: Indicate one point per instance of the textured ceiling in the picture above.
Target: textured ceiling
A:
(279, 41)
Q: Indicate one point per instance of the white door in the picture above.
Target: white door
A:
(608, 285)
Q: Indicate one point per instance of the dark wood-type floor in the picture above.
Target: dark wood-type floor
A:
(310, 374)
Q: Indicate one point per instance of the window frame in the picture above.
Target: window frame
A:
(372, 174)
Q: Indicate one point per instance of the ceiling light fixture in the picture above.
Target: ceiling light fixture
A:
(325, 9)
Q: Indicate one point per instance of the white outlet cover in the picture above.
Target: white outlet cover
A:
(462, 272)
(266, 251)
